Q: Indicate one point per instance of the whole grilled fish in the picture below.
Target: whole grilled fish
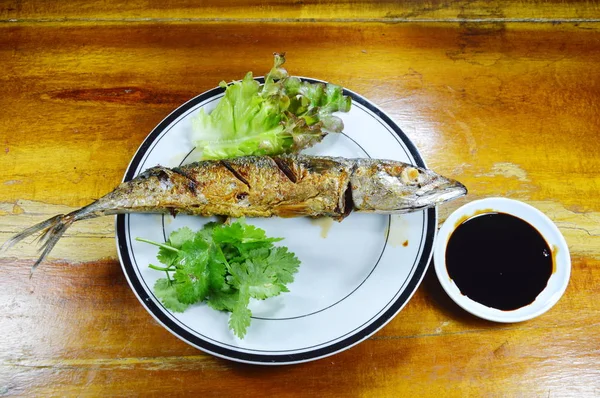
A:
(284, 186)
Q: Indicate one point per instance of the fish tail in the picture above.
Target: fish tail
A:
(50, 231)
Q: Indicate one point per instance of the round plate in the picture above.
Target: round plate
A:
(355, 276)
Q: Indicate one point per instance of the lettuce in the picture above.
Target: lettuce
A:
(284, 115)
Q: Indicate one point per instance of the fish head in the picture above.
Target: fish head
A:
(396, 187)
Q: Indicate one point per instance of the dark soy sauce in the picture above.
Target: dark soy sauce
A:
(499, 260)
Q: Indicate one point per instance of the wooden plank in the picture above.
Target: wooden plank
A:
(307, 10)
(104, 341)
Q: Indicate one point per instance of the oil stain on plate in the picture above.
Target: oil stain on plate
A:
(398, 231)
(325, 223)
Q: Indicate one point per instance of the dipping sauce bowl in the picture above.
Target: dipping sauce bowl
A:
(502, 260)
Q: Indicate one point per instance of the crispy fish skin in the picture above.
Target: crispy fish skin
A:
(284, 186)
(269, 186)
(246, 186)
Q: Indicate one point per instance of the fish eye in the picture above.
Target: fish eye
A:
(410, 175)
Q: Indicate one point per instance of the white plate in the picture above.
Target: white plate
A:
(350, 283)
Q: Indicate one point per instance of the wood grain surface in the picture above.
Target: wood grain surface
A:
(504, 96)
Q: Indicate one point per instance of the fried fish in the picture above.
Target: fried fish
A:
(264, 186)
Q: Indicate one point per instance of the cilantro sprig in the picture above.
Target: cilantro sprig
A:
(225, 266)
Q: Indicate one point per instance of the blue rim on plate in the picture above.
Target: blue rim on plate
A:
(346, 341)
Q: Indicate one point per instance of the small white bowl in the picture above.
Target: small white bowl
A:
(557, 283)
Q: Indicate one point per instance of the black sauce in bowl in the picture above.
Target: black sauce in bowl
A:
(499, 260)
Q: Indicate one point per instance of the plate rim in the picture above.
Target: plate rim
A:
(273, 359)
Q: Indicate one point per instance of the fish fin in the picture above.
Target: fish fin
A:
(293, 210)
(50, 231)
(321, 165)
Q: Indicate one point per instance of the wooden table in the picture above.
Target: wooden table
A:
(504, 95)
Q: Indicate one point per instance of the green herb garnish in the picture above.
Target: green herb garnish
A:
(225, 266)
(284, 115)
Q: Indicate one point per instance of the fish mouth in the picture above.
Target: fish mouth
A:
(445, 192)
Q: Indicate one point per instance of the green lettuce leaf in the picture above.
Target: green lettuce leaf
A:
(284, 115)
